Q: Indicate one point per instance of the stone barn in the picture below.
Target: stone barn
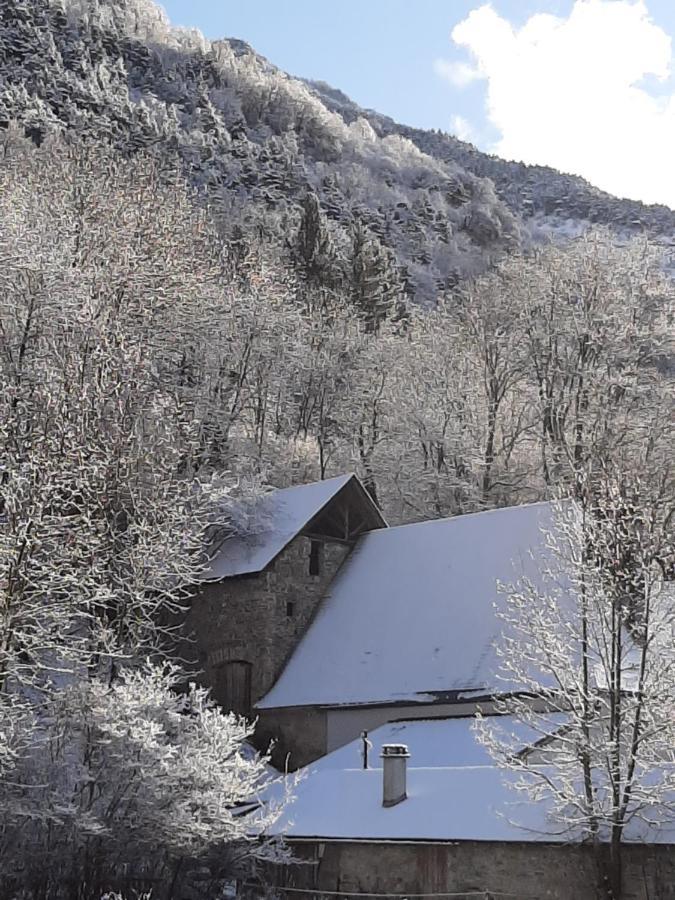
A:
(262, 589)
(365, 652)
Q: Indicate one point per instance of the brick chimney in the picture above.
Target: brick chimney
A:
(394, 765)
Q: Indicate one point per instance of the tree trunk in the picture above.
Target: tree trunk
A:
(489, 455)
(614, 867)
(610, 866)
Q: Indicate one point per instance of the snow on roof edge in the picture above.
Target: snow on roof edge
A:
(252, 553)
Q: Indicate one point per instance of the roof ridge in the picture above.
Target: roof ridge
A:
(346, 476)
(464, 516)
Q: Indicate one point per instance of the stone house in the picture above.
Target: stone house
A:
(324, 622)
(262, 590)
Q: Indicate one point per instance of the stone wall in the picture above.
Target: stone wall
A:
(298, 735)
(258, 619)
(527, 871)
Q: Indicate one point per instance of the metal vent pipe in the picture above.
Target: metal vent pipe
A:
(394, 773)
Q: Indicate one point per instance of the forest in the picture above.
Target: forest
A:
(158, 374)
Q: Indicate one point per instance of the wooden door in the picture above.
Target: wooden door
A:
(234, 686)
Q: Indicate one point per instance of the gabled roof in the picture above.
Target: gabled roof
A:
(283, 515)
(443, 804)
(411, 614)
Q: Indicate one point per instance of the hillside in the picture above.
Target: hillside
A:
(257, 138)
(423, 204)
(539, 196)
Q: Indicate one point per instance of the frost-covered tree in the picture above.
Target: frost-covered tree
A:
(535, 371)
(486, 321)
(588, 652)
(316, 257)
(594, 641)
(375, 286)
(115, 407)
(133, 786)
(102, 426)
(596, 338)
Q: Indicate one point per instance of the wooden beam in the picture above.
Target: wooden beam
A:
(327, 538)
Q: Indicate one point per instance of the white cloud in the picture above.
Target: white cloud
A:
(462, 128)
(565, 92)
(458, 73)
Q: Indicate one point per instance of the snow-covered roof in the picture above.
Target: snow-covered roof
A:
(454, 793)
(459, 803)
(462, 803)
(283, 514)
(411, 614)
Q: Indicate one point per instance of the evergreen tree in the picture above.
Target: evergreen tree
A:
(315, 255)
(375, 284)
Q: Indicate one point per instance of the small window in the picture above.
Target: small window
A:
(290, 609)
(315, 549)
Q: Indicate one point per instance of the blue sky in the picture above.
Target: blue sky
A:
(584, 85)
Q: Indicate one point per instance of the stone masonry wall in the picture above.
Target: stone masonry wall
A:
(298, 735)
(260, 618)
(527, 871)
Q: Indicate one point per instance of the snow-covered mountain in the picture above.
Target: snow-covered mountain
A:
(259, 141)
(541, 197)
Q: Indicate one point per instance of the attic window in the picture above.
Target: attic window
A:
(315, 548)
